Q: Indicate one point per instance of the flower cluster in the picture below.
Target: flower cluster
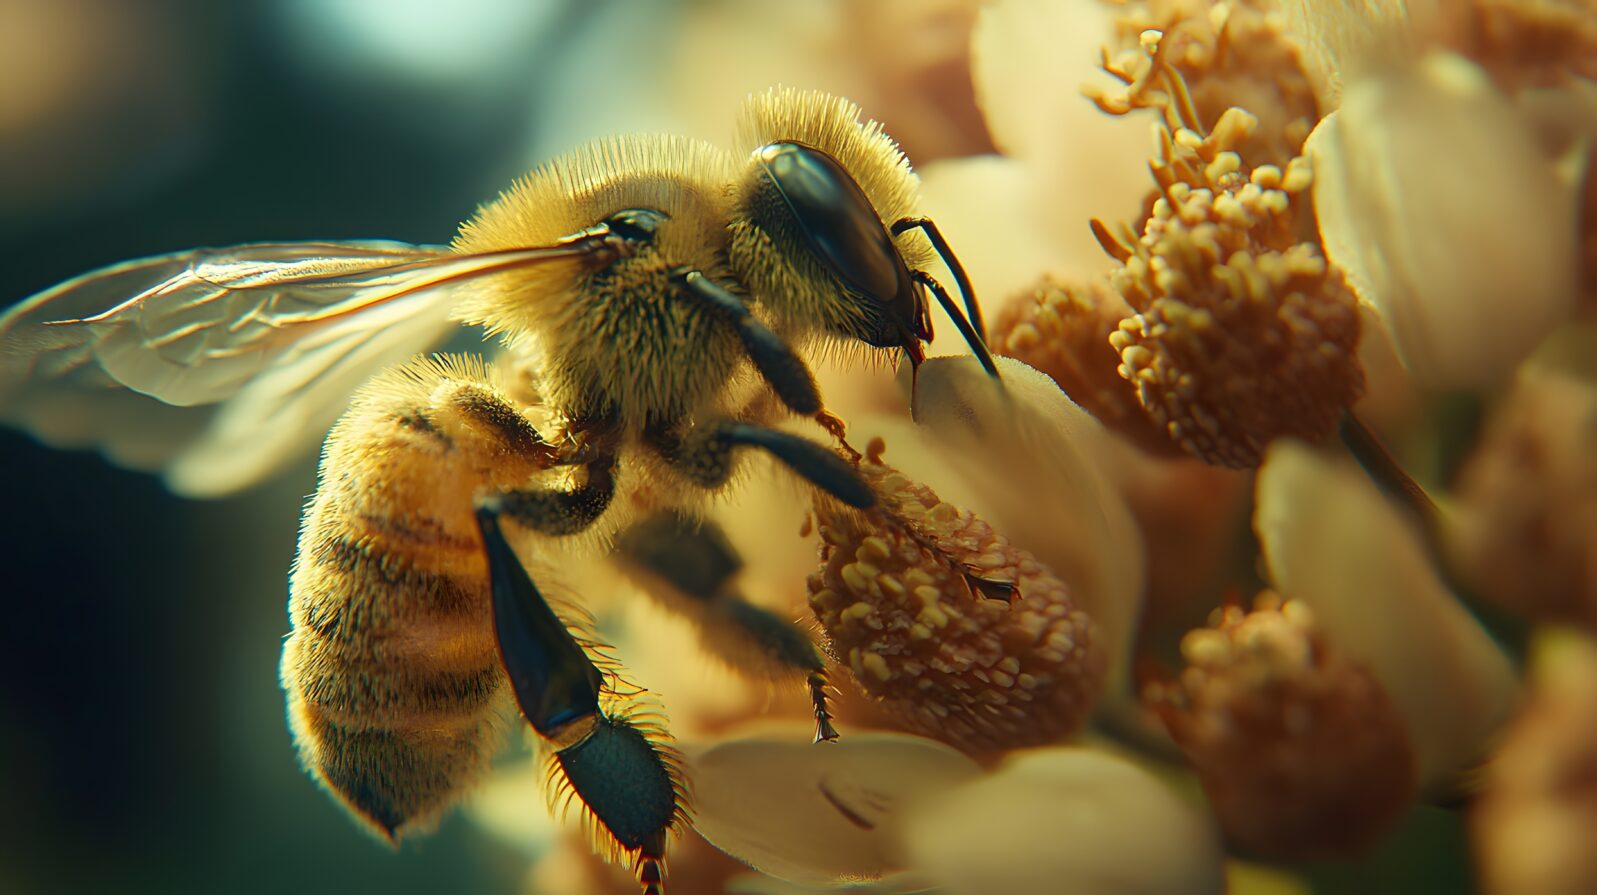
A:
(1369, 220)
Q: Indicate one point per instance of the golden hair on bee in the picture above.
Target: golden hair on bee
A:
(396, 695)
(621, 332)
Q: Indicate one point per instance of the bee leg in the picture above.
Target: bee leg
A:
(622, 773)
(704, 456)
(558, 513)
(786, 372)
(690, 567)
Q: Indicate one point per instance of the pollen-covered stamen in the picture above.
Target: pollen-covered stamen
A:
(1301, 752)
(1063, 329)
(910, 595)
(1241, 332)
(1235, 344)
(1196, 58)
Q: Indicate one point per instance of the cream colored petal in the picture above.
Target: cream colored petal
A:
(1064, 820)
(1023, 459)
(514, 808)
(1030, 59)
(818, 814)
(1445, 212)
(1343, 38)
(760, 884)
(1334, 542)
(987, 207)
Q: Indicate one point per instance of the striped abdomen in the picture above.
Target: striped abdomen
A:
(396, 693)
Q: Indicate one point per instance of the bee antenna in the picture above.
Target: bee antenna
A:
(961, 279)
(966, 329)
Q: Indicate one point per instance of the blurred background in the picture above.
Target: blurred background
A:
(142, 742)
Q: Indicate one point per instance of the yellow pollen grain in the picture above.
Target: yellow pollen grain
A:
(1027, 681)
(855, 581)
(891, 585)
(856, 611)
(867, 570)
(933, 617)
(876, 666)
(919, 631)
(1010, 664)
(1299, 175)
(1002, 679)
(929, 596)
(1205, 646)
(874, 548)
(1266, 176)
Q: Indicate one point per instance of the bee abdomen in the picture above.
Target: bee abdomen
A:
(396, 693)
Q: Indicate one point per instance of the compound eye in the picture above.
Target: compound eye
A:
(636, 224)
(838, 222)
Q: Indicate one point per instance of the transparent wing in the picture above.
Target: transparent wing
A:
(251, 352)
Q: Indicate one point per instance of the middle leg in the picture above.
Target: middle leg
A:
(691, 568)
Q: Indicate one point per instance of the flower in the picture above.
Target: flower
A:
(1434, 148)
(1525, 531)
(1335, 543)
(1532, 824)
(1301, 752)
(962, 636)
(1236, 317)
(913, 814)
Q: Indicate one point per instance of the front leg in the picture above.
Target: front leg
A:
(703, 454)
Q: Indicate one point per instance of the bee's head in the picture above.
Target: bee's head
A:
(826, 232)
(815, 205)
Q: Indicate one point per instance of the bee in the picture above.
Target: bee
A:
(656, 297)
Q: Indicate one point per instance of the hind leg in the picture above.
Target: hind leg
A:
(618, 767)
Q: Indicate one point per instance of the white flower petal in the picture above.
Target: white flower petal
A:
(1334, 542)
(818, 813)
(1064, 820)
(1024, 458)
(1443, 209)
(1029, 61)
(514, 807)
(1343, 38)
(988, 208)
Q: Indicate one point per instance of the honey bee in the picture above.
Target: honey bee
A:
(656, 297)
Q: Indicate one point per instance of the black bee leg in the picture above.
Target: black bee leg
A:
(781, 367)
(704, 456)
(622, 772)
(558, 513)
(691, 568)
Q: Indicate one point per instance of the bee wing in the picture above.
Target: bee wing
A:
(250, 351)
